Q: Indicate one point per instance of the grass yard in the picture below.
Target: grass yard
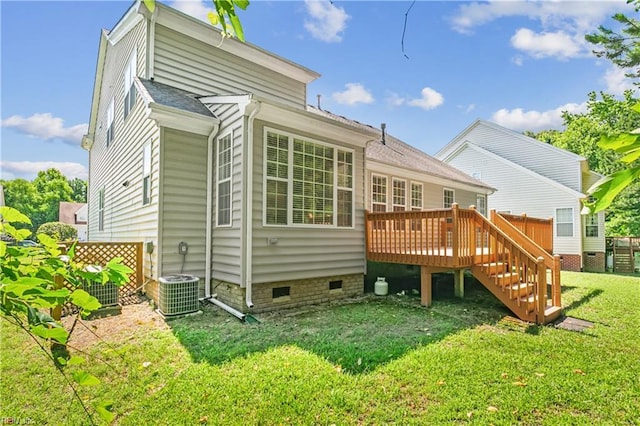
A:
(377, 361)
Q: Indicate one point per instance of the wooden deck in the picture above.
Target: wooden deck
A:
(514, 267)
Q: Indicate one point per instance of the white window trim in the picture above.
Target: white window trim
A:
(289, 181)
(110, 120)
(386, 191)
(229, 179)
(393, 204)
(129, 75)
(482, 197)
(597, 225)
(411, 206)
(556, 223)
(453, 191)
(101, 209)
(146, 172)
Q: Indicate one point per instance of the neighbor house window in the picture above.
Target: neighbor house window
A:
(481, 204)
(224, 180)
(110, 126)
(129, 86)
(399, 195)
(101, 210)
(378, 193)
(316, 178)
(564, 222)
(591, 225)
(416, 196)
(146, 174)
(448, 198)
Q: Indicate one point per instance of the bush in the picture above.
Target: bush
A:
(58, 230)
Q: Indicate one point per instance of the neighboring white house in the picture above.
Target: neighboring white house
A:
(74, 214)
(538, 179)
(204, 149)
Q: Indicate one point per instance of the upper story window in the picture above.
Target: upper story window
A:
(591, 225)
(110, 125)
(448, 198)
(101, 209)
(564, 222)
(399, 196)
(224, 180)
(146, 174)
(307, 183)
(481, 204)
(416, 196)
(378, 193)
(129, 86)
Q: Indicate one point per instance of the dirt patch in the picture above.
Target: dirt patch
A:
(133, 319)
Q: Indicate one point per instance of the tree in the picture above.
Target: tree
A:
(78, 190)
(58, 231)
(21, 195)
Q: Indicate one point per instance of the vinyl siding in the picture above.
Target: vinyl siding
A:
(226, 250)
(302, 253)
(125, 218)
(184, 195)
(518, 192)
(563, 167)
(192, 65)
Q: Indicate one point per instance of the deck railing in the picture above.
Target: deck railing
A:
(537, 229)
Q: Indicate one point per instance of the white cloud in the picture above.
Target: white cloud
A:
(355, 93)
(47, 127)
(541, 45)
(326, 21)
(29, 169)
(517, 60)
(430, 99)
(617, 82)
(195, 8)
(520, 120)
(395, 100)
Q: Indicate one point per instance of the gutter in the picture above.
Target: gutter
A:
(209, 212)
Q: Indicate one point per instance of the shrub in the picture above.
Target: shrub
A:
(58, 230)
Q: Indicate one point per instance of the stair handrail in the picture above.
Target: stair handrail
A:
(528, 243)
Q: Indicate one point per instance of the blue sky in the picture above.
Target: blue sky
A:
(517, 63)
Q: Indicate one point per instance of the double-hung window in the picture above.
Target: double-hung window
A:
(307, 182)
(224, 180)
(378, 193)
(564, 222)
(129, 86)
(481, 204)
(399, 194)
(591, 225)
(416, 196)
(146, 174)
(448, 198)
(101, 210)
(110, 125)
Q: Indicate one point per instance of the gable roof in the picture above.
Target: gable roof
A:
(163, 94)
(395, 152)
(451, 147)
(67, 211)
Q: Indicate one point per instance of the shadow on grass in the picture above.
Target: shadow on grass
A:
(583, 299)
(359, 336)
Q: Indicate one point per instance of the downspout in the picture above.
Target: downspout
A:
(209, 213)
(253, 108)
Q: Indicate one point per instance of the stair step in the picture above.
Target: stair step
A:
(494, 267)
(520, 290)
(529, 303)
(506, 278)
(552, 313)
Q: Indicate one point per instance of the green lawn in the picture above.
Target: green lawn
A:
(381, 360)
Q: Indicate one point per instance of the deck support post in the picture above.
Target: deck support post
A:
(458, 283)
(425, 286)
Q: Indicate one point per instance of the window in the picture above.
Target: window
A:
(224, 180)
(110, 126)
(146, 174)
(278, 292)
(477, 175)
(448, 198)
(591, 225)
(481, 204)
(129, 86)
(399, 197)
(378, 193)
(101, 210)
(564, 222)
(416, 196)
(307, 183)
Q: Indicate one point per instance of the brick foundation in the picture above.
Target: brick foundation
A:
(593, 261)
(301, 292)
(571, 262)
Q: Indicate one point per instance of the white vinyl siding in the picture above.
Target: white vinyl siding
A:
(146, 174)
(448, 198)
(317, 178)
(416, 196)
(224, 175)
(399, 194)
(378, 193)
(564, 222)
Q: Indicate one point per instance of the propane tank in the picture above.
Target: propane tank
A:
(381, 287)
